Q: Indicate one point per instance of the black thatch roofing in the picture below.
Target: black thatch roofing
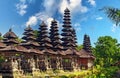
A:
(2, 45)
(48, 51)
(84, 54)
(67, 10)
(16, 48)
(30, 43)
(10, 34)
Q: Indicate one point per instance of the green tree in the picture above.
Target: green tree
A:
(79, 47)
(36, 33)
(106, 51)
(1, 38)
(19, 39)
(113, 14)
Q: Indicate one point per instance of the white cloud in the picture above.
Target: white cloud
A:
(49, 22)
(77, 26)
(73, 5)
(21, 7)
(23, 1)
(12, 26)
(99, 18)
(113, 28)
(49, 5)
(32, 21)
(92, 2)
(40, 16)
(78, 29)
(46, 15)
(53, 6)
(31, 1)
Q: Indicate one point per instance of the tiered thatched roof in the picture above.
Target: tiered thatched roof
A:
(30, 41)
(11, 43)
(55, 36)
(48, 43)
(84, 54)
(67, 35)
(15, 48)
(87, 44)
(2, 45)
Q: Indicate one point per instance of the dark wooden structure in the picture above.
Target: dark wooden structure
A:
(46, 52)
(67, 35)
(33, 48)
(55, 37)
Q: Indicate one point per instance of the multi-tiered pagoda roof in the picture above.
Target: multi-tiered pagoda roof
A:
(55, 36)
(50, 50)
(11, 43)
(86, 51)
(87, 44)
(67, 35)
(2, 45)
(44, 40)
(30, 41)
(48, 42)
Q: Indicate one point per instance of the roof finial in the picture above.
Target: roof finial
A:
(67, 9)
(10, 30)
(29, 25)
(53, 20)
(43, 23)
(0, 34)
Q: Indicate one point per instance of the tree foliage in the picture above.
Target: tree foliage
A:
(19, 40)
(1, 38)
(36, 33)
(113, 14)
(106, 51)
(79, 47)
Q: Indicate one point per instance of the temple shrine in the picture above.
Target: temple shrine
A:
(48, 52)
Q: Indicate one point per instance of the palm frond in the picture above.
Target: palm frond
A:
(113, 14)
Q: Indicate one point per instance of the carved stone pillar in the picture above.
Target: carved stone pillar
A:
(77, 64)
(90, 63)
(73, 63)
(58, 63)
(14, 65)
(37, 63)
(32, 64)
(61, 64)
(46, 63)
(19, 63)
(49, 60)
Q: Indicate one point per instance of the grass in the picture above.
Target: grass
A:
(93, 73)
(59, 74)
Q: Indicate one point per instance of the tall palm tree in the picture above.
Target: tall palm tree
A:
(113, 14)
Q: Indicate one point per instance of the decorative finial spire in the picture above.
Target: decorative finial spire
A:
(67, 10)
(28, 25)
(87, 44)
(43, 23)
(10, 30)
(0, 34)
(54, 20)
